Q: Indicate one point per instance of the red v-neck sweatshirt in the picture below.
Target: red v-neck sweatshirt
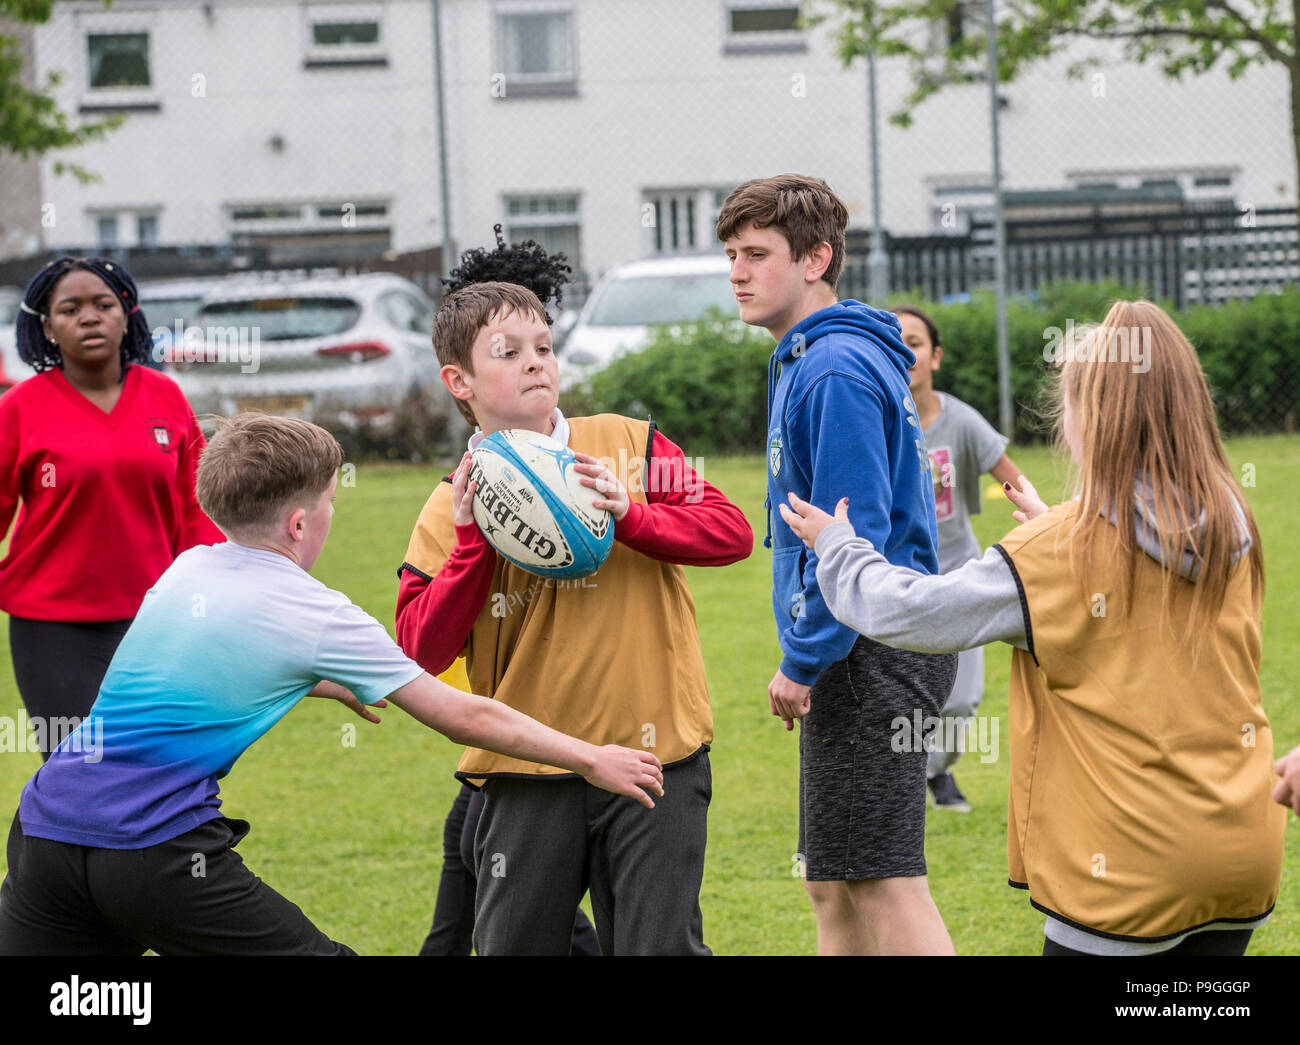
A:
(107, 498)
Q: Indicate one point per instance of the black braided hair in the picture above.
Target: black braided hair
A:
(33, 346)
(527, 264)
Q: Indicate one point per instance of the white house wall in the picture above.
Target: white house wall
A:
(659, 104)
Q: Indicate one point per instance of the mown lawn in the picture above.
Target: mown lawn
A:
(353, 833)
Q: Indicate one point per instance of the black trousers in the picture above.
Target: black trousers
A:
(189, 895)
(59, 666)
(451, 934)
(542, 843)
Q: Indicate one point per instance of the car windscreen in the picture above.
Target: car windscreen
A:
(284, 319)
(167, 312)
(644, 300)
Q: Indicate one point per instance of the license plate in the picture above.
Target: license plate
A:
(289, 406)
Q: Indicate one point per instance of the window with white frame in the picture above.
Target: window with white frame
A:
(550, 219)
(761, 25)
(344, 35)
(536, 47)
(118, 60)
(119, 67)
(125, 228)
(146, 230)
(679, 221)
(361, 215)
(106, 231)
(1198, 185)
(958, 200)
(962, 26)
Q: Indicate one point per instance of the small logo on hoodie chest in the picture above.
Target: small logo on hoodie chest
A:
(774, 454)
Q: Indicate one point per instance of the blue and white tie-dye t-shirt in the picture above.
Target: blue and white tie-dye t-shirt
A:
(227, 641)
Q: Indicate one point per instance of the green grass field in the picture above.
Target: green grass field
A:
(353, 833)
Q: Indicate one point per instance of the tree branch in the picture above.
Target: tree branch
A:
(1122, 33)
(1248, 31)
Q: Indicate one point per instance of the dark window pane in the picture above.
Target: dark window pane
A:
(537, 45)
(331, 34)
(282, 319)
(764, 19)
(643, 300)
(106, 230)
(167, 312)
(119, 60)
(262, 213)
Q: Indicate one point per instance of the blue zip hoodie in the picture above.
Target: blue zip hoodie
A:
(841, 423)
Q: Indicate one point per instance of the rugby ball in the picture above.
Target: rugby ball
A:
(533, 509)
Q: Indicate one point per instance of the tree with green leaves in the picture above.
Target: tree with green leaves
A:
(1184, 37)
(31, 123)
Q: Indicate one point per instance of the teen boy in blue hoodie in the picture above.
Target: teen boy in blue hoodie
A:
(841, 420)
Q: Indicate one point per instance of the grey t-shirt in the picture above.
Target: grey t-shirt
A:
(962, 447)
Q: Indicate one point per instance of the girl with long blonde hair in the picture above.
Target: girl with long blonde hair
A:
(1140, 818)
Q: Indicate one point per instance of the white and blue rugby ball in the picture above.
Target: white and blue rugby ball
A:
(533, 509)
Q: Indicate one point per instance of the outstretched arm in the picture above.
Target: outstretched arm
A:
(1005, 470)
(973, 605)
(479, 722)
(1288, 789)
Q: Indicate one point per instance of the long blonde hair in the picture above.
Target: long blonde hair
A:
(1141, 411)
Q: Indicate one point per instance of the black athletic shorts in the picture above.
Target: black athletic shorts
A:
(861, 775)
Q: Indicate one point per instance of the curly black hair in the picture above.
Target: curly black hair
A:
(527, 264)
(39, 353)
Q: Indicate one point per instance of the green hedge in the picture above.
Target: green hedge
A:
(706, 383)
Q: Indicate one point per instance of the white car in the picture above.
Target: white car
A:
(632, 298)
(172, 305)
(12, 369)
(344, 350)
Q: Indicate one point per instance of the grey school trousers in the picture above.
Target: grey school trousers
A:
(541, 844)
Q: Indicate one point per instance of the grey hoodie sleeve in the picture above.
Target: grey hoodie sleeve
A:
(974, 604)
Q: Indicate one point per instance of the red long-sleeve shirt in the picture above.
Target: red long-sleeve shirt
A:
(107, 498)
(689, 522)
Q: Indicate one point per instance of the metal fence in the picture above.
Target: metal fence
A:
(1184, 258)
(282, 135)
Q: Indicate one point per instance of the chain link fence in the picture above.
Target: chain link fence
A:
(303, 137)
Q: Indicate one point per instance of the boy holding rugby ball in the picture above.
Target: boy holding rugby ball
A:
(614, 656)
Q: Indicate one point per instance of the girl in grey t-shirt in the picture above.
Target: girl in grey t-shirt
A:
(962, 448)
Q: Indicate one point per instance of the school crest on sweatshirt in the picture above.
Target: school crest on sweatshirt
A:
(161, 431)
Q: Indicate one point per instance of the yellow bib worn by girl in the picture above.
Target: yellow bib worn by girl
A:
(1141, 781)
